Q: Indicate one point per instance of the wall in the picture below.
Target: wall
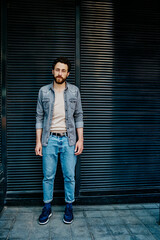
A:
(114, 50)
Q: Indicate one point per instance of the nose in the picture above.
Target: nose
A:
(60, 73)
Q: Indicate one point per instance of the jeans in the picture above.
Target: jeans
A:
(68, 162)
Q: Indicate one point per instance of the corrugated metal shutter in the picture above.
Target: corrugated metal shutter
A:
(1, 167)
(0, 92)
(38, 32)
(120, 58)
(120, 88)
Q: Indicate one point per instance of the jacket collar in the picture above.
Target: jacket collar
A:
(52, 88)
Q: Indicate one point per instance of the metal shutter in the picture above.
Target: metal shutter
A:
(1, 167)
(120, 58)
(3, 22)
(0, 97)
(120, 88)
(38, 32)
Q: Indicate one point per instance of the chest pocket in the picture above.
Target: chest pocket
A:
(45, 103)
(72, 102)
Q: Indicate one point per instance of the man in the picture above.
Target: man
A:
(59, 115)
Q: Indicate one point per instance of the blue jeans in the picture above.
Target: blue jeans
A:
(68, 162)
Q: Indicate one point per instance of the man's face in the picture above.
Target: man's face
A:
(60, 72)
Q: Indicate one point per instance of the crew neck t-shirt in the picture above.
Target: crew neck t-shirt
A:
(58, 124)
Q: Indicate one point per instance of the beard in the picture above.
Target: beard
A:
(59, 80)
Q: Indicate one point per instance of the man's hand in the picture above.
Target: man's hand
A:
(79, 147)
(38, 149)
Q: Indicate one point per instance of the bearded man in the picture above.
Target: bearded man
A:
(59, 119)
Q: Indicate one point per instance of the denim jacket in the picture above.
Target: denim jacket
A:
(73, 111)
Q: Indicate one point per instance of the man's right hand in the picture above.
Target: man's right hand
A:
(38, 149)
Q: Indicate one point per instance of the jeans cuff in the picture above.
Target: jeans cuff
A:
(69, 201)
(47, 201)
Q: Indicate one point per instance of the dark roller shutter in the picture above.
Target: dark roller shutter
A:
(3, 27)
(120, 88)
(0, 100)
(0, 94)
(1, 167)
(120, 59)
(38, 32)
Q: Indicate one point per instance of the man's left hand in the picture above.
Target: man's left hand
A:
(79, 147)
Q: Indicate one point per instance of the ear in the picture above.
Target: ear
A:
(52, 71)
(68, 74)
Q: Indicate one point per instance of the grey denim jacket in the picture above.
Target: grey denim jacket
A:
(73, 111)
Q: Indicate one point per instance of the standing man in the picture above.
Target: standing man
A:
(59, 116)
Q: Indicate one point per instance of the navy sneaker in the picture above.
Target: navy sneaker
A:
(45, 215)
(68, 215)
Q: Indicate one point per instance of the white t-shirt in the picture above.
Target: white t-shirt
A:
(58, 124)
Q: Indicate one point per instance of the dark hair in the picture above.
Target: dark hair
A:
(62, 60)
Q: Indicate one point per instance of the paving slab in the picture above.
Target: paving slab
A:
(135, 206)
(153, 212)
(148, 220)
(80, 230)
(156, 237)
(125, 213)
(138, 229)
(142, 212)
(154, 228)
(143, 237)
(6, 223)
(4, 233)
(60, 230)
(114, 220)
(98, 228)
(119, 230)
(104, 238)
(93, 214)
(113, 213)
(131, 220)
(93, 222)
(121, 206)
(151, 205)
(124, 237)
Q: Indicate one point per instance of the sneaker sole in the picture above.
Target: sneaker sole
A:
(67, 222)
(46, 221)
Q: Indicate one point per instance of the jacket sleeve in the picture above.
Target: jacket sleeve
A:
(78, 114)
(39, 111)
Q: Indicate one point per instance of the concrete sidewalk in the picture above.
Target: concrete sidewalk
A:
(104, 222)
